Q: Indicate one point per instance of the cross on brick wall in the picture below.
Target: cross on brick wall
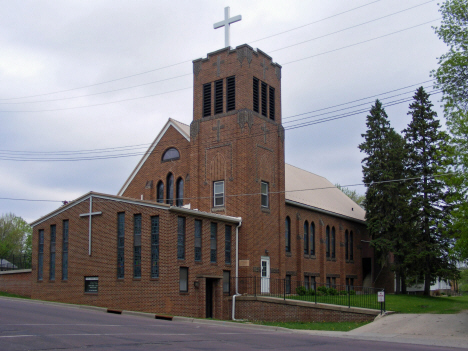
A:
(265, 67)
(265, 132)
(218, 65)
(90, 214)
(218, 128)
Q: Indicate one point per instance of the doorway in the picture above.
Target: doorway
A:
(209, 297)
(265, 275)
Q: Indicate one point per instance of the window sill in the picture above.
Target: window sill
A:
(349, 261)
(136, 279)
(184, 293)
(266, 210)
(331, 259)
(64, 281)
(218, 209)
(288, 254)
(310, 256)
(90, 293)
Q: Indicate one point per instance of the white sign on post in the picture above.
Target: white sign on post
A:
(381, 296)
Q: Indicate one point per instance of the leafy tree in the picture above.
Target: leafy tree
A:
(385, 200)
(452, 79)
(353, 195)
(427, 149)
(14, 235)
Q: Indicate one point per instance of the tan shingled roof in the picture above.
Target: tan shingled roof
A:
(325, 197)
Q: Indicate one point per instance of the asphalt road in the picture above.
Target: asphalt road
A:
(31, 325)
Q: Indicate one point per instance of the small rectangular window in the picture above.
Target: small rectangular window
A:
(91, 285)
(198, 240)
(333, 246)
(218, 190)
(264, 99)
(328, 282)
(206, 100)
(65, 250)
(40, 256)
(312, 283)
(306, 282)
(218, 98)
(213, 243)
(137, 246)
(155, 247)
(181, 238)
(272, 103)
(120, 245)
(183, 279)
(226, 282)
(227, 249)
(265, 202)
(256, 106)
(231, 93)
(346, 245)
(53, 238)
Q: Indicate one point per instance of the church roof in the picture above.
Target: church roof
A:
(323, 196)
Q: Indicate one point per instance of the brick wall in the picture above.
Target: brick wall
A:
(16, 282)
(265, 309)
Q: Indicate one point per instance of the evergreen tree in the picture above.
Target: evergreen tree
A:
(386, 200)
(427, 149)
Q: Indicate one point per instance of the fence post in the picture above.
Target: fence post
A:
(349, 296)
(284, 286)
(315, 289)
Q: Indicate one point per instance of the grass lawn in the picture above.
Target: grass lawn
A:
(426, 304)
(334, 326)
(12, 295)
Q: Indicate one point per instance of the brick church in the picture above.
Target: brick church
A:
(207, 203)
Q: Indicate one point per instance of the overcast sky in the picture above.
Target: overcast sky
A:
(63, 66)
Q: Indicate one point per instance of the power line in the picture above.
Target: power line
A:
(168, 92)
(300, 125)
(272, 192)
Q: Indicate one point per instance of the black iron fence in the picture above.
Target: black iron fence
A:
(344, 295)
(13, 262)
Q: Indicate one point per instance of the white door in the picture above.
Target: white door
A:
(265, 275)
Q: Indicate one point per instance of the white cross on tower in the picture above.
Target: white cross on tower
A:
(227, 21)
(90, 214)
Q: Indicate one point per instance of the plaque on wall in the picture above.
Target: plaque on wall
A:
(91, 284)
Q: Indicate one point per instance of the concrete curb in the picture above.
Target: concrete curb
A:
(230, 324)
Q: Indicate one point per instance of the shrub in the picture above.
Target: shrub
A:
(343, 292)
(332, 291)
(323, 290)
(301, 291)
(352, 292)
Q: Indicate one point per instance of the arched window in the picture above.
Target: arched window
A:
(306, 238)
(169, 189)
(160, 192)
(312, 238)
(170, 154)
(288, 234)
(351, 256)
(327, 241)
(180, 192)
(333, 243)
(346, 243)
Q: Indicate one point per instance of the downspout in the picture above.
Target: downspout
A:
(237, 272)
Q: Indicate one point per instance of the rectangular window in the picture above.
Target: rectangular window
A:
(137, 246)
(65, 250)
(155, 247)
(207, 100)
(306, 238)
(327, 241)
(218, 193)
(181, 238)
(264, 99)
(213, 243)
(312, 283)
(231, 93)
(333, 281)
(53, 239)
(120, 245)
(328, 282)
(265, 202)
(218, 98)
(351, 251)
(272, 103)
(288, 284)
(183, 279)
(312, 238)
(227, 247)
(40, 256)
(226, 282)
(306, 282)
(256, 106)
(198, 240)
(346, 244)
(333, 243)
(91, 285)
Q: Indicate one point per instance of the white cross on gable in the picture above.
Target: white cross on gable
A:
(90, 214)
(226, 23)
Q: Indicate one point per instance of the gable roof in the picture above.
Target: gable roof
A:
(323, 196)
(182, 128)
(145, 203)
